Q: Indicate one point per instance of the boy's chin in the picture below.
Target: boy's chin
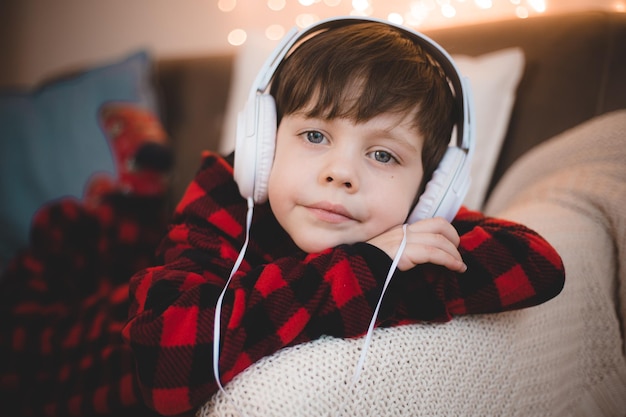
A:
(320, 245)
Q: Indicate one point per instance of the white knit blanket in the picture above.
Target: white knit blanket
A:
(562, 358)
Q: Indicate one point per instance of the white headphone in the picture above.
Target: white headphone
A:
(257, 125)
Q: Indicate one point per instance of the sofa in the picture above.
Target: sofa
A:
(551, 152)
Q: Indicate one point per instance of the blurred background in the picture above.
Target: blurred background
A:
(39, 38)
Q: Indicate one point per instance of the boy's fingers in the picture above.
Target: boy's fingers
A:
(433, 249)
(437, 225)
(428, 241)
(434, 241)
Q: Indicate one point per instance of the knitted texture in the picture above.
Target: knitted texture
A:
(561, 358)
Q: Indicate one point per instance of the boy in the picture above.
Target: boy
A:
(364, 116)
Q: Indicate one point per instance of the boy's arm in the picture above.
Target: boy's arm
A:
(475, 265)
(509, 267)
(283, 300)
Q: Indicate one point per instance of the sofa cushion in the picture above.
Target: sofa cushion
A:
(52, 142)
(494, 78)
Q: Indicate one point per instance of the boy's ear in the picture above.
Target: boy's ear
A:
(255, 146)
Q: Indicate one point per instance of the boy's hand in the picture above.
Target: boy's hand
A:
(427, 241)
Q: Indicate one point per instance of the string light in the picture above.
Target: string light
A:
(448, 10)
(237, 37)
(413, 13)
(521, 12)
(306, 19)
(484, 4)
(395, 18)
(360, 5)
(276, 5)
(538, 5)
(226, 5)
(275, 32)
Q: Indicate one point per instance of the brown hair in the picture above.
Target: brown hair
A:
(390, 71)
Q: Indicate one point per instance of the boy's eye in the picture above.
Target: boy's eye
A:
(383, 156)
(314, 136)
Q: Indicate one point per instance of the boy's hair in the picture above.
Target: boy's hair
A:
(362, 70)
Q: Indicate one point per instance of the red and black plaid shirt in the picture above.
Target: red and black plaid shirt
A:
(282, 296)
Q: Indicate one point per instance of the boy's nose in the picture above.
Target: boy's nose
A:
(340, 172)
(347, 184)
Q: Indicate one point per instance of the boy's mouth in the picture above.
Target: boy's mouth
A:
(331, 213)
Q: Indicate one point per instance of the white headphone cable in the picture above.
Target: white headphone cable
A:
(218, 306)
(370, 330)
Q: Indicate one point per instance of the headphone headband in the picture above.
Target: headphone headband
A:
(459, 84)
(256, 127)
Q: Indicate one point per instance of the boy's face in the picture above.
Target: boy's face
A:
(336, 182)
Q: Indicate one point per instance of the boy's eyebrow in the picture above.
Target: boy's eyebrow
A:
(389, 134)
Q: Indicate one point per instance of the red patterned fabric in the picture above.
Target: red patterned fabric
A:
(63, 303)
(282, 296)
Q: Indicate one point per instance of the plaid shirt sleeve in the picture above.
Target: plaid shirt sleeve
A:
(281, 296)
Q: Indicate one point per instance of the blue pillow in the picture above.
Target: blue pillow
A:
(51, 142)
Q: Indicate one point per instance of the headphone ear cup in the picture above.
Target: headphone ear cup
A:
(254, 148)
(266, 146)
(446, 189)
